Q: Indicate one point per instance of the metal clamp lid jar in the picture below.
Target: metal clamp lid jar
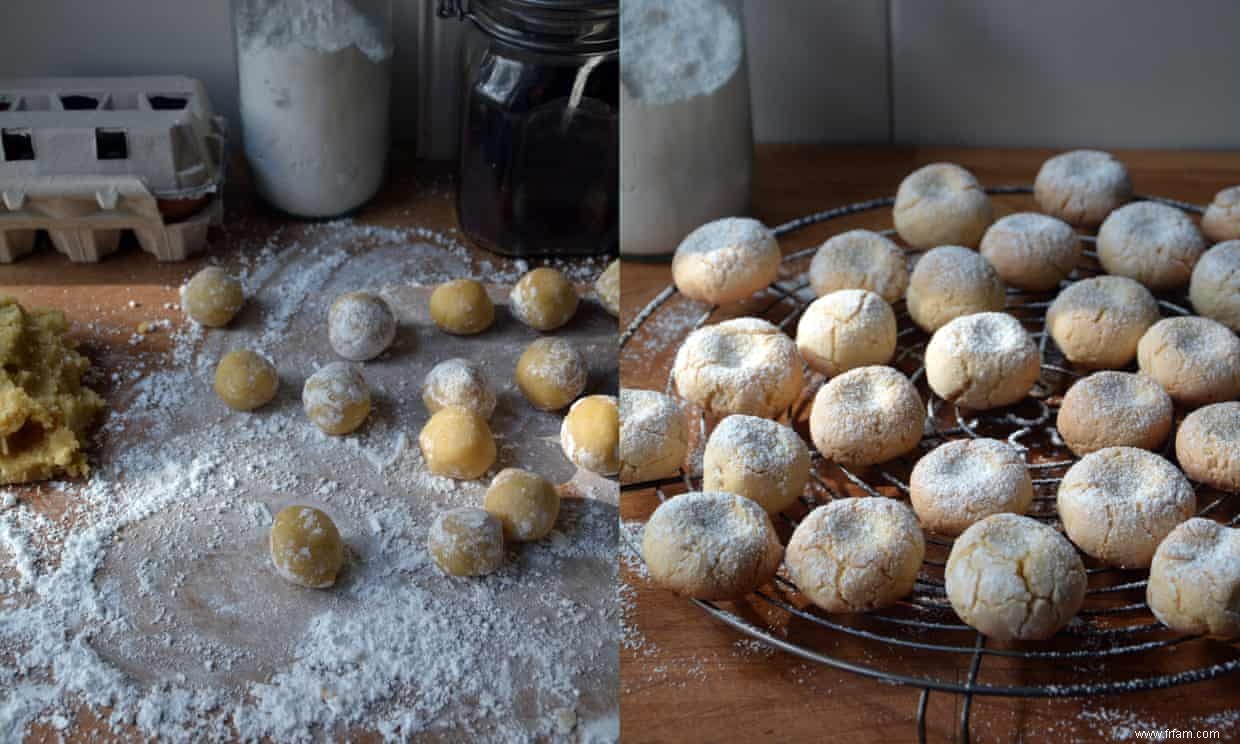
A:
(539, 157)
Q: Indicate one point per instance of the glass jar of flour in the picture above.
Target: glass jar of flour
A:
(686, 142)
(315, 84)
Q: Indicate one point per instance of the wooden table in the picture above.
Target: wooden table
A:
(686, 677)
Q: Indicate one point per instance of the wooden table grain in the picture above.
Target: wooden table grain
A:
(686, 677)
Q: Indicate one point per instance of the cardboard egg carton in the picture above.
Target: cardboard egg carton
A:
(89, 159)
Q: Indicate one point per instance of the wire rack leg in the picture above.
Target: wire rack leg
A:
(922, 703)
(967, 707)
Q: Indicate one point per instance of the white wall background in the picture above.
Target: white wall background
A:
(1107, 73)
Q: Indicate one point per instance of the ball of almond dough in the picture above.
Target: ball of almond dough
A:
(846, 329)
(457, 443)
(460, 383)
(466, 541)
(1195, 579)
(1098, 322)
(982, 361)
(860, 259)
(1215, 287)
(757, 458)
(866, 416)
(607, 287)
(543, 299)
(306, 548)
(462, 307)
(1208, 445)
(654, 436)
(1221, 221)
(964, 481)
(1155, 244)
(336, 398)
(360, 326)
(551, 373)
(245, 380)
(590, 434)
(212, 297)
(951, 281)
(525, 503)
(1196, 360)
(856, 554)
(726, 260)
(941, 204)
(744, 365)
(1118, 503)
(1082, 187)
(1013, 578)
(710, 545)
(1114, 409)
(1031, 251)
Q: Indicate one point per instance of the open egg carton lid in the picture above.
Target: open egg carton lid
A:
(87, 159)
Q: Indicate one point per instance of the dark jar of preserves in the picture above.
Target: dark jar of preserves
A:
(539, 152)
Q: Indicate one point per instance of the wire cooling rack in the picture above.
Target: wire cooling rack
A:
(920, 642)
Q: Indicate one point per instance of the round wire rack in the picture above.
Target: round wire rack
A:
(1110, 642)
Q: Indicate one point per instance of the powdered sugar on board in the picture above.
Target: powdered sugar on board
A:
(151, 598)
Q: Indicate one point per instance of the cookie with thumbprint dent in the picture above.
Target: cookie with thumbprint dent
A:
(1114, 409)
(726, 260)
(1207, 445)
(964, 481)
(860, 259)
(1195, 579)
(1082, 187)
(1155, 244)
(866, 416)
(1098, 322)
(951, 281)
(941, 204)
(744, 365)
(1195, 359)
(982, 361)
(756, 458)
(1031, 251)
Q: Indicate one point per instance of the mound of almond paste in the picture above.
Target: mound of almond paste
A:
(44, 410)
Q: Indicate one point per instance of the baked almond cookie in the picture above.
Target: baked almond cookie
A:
(1031, 251)
(1222, 218)
(867, 416)
(982, 361)
(856, 554)
(726, 260)
(757, 458)
(1118, 503)
(1014, 578)
(1098, 322)
(951, 281)
(1156, 244)
(941, 204)
(1114, 409)
(846, 329)
(710, 545)
(1208, 445)
(963, 481)
(860, 259)
(745, 365)
(1214, 289)
(1195, 579)
(1196, 360)
(1082, 187)
(654, 436)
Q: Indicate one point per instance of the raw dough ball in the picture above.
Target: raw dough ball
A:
(1222, 218)
(466, 541)
(1114, 409)
(1195, 579)
(1082, 187)
(212, 297)
(590, 434)
(1097, 322)
(306, 548)
(551, 373)
(941, 204)
(952, 281)
(1196, 360)
(654, 437)
(1014, 578)
(756, 458)
(462, 306)
(982, 361)
(866, 416)
(745, 365)
(856, 554)
(963, 481)
(245, 380)
(1156, 244)
(607, 287)
(360, 326)
(847, 329)
(1208, 445)
(860, 259)
(710, 545)
(460, 383)
(726, 260)
(1118, 503)
(1031, 251)
(525, 503)
(543, 299)
(1215, 286)
(457, 443)
(336, 398)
